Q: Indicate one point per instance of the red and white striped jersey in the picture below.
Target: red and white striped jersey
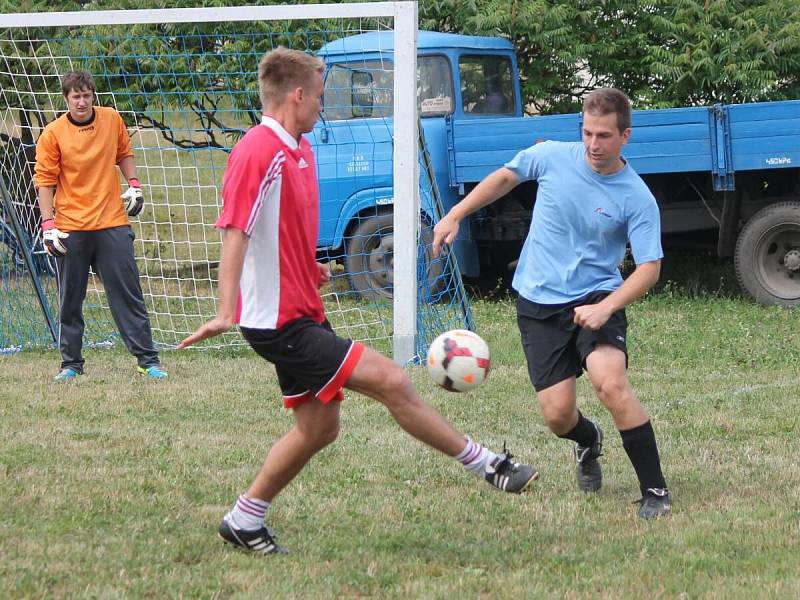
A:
(270, 192)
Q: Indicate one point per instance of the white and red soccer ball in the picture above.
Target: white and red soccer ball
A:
(458, 360)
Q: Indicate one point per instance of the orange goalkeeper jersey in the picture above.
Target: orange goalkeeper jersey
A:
(80, 160)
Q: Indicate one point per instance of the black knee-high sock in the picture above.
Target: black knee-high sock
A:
(640, 445)
(584, 432)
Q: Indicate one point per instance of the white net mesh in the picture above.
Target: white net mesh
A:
(187, 92)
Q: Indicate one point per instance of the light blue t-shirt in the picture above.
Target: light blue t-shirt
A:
(582, 221)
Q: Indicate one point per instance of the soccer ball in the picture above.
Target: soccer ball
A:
(458, 360)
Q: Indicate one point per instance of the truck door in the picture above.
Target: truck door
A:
(353, 143)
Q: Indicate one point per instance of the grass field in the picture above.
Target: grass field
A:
(114, 486)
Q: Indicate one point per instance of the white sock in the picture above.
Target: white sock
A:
(475, 457)
(247, 513)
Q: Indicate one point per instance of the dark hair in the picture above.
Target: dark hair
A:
(283, 69)
(605, 101)
(76, 80)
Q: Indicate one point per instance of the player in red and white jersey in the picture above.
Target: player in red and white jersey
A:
(270, 193)
(269, 284)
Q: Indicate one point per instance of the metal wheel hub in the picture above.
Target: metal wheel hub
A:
(778, 260)
(381, 261)
(791, 261)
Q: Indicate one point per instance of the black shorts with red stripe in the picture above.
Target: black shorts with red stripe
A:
(310, 359)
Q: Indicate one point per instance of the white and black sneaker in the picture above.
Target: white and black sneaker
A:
(258, 541)
(587, 468)
(654, 503)
(509, 476)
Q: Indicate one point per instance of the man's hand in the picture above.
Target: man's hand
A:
(592, 316)
(495, 186)
(324, 274)
(51, 237)
(444, 232)
(133, 198)
(213, 328)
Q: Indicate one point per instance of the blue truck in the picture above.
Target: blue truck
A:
(727, 174)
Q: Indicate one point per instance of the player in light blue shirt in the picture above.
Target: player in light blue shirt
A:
(571, 308)
(581, 223)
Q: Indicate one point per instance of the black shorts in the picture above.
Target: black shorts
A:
(310, 360)
(555, 347)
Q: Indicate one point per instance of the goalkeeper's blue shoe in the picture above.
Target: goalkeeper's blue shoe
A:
(153, 372)
(66, 374)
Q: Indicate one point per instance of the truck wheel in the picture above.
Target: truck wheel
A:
(370, 258)
(767, 257)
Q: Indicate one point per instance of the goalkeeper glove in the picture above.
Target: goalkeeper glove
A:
(51, 237)
(133, 198)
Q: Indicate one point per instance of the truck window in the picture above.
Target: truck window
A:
(434, 87)
(364, 89)
(487, 85)
(358, 90)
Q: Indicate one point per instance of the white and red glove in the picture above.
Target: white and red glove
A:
(52, 238)
(133, 197)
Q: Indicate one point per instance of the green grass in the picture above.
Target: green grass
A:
(114, 486)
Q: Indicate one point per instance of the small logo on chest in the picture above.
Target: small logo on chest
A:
(599, 210)
(302, 163)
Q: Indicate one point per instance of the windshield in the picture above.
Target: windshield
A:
(358, 90)
(364, 89)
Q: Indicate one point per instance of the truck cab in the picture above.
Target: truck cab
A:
(459, 77)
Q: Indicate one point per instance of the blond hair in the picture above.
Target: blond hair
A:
(282, 70)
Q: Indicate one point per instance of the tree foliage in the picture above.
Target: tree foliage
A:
(664, 53)
(172, 77)
(724, 51)
(159, 73)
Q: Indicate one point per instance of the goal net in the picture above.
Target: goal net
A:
(185, 82)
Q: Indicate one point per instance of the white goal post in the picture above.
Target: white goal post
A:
(406, 171)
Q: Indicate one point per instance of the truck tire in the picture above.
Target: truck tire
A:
(370, 258)
(767, 256)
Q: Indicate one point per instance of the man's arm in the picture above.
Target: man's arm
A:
(46, 202)
(128, 167)
(638, 283)
(234, 248)
(324, 274)
(495, 186)
(52, 238)
(46, 172)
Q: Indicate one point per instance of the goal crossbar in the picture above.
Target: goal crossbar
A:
(204, 15)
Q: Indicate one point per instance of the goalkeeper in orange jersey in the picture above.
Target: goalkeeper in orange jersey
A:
(85, 222)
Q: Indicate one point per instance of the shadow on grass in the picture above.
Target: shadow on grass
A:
(684, 273)
(697, 274)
